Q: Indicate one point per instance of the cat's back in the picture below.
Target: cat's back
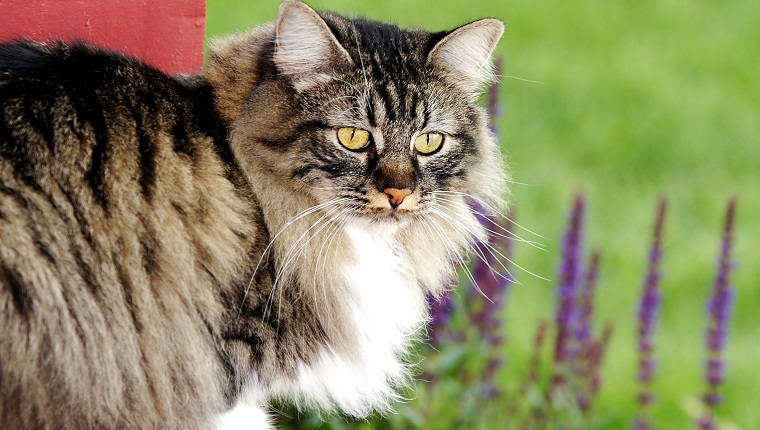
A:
(92, 139)
(62, 96)
(117, 190)
(75, 66)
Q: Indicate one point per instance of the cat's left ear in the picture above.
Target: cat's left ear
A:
(465, 53)
(306, 50)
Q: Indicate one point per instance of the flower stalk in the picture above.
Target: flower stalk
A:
(719, 307)
(648, 312)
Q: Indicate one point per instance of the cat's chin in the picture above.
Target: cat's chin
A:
(386, 222)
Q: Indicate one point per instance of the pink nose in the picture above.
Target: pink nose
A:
(396, 196)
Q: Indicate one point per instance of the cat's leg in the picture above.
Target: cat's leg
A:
(244, 417)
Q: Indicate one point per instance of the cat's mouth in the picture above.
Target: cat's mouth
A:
(384, 221)
(385, 215)
(379, 207)
(391, 214)
(383, 211)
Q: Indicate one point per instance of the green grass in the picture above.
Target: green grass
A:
(633, 100)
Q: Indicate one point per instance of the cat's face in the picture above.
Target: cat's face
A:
(381, 122)
(386, 144)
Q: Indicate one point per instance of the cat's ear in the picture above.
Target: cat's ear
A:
(465, 53)
(306, 50)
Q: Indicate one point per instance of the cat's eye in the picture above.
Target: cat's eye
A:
(353, 138)
(428, 143)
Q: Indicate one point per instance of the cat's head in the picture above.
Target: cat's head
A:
(363, 116)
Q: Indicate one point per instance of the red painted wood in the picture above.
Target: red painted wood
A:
(165, 33)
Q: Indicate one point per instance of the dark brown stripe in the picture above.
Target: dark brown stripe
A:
(88, 110)
(147, 149)
(42, 246)
(87, 273)
(149, 249)
(84, 227)
(128, 288)
(18, 289)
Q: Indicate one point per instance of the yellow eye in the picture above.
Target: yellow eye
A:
(353, 138)
(428, 143)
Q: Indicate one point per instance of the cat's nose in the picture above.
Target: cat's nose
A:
(396, 195)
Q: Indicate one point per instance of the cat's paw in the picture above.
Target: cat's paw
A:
(244, 417)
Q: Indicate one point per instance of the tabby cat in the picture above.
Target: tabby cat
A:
(175, 252)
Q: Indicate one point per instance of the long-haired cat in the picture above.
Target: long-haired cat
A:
(171, 247)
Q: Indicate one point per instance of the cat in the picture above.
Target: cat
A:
(177, 251)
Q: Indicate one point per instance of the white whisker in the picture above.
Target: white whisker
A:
(487, 206)
(268, 248)
(341, 218)
(293, 253)
(507, 234)
(504, 179)
(457, 257)
(494, 249)
(461, 227)
(495, 253)
(334, 188)
(520, 79)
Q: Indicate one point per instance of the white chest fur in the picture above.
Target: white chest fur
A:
(384, 309)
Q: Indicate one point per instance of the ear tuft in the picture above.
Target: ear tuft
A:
(465, 53)
(306, 50)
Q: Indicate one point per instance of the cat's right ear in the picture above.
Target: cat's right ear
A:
(306, 50)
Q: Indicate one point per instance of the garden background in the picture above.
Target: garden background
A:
(626, 102)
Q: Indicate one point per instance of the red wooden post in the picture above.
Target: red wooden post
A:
(167, 34)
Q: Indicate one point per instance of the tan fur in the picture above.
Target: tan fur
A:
(234, 67)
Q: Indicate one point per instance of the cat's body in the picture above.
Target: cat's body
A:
(172, 247)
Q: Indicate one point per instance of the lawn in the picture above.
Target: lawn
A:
(626, 102)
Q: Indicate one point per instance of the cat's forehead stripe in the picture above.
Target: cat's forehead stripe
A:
(392, 59)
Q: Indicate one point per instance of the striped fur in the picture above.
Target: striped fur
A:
(171, 247)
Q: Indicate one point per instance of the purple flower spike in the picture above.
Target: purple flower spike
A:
(567, 314)
(596, 351)
(640, 424)
(719, 308)
(706, 423)
(489, 289)
(441, 309)
(649, 307)
(587, 351)
(586, 310)
(535, 358)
